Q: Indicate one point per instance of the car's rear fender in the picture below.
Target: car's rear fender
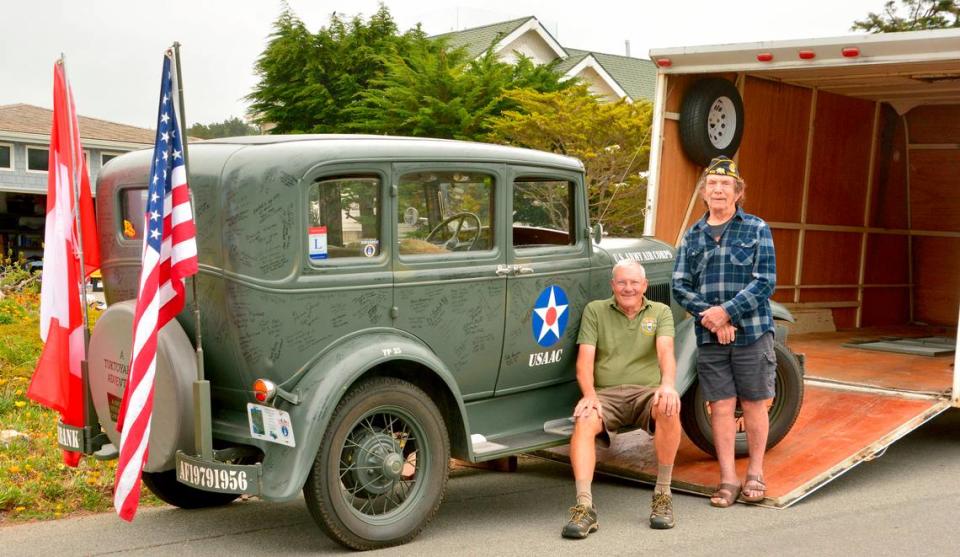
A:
(379, 352)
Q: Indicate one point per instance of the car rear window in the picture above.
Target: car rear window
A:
(344, 218)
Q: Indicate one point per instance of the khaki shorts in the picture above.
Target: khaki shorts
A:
(625, 406)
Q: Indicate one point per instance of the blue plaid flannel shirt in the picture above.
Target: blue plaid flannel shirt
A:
(739, 273)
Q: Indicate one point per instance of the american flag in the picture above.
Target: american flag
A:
(169, 255)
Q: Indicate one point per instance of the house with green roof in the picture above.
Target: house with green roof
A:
(609, 76)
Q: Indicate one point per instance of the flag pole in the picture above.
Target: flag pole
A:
(90, 421)
(75, 191)
(203, 423)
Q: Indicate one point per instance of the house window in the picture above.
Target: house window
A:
(344, 218)
(6, 156)
(106, 157)
(37, 159)
(443, 212)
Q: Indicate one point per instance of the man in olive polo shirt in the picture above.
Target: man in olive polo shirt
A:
(626, 371)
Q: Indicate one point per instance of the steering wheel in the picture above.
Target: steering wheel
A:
(454, 243)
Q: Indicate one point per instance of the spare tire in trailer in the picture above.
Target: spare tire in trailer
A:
(711, 120)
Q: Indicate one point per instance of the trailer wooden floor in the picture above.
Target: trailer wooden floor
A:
(838, 427)
(827, 358)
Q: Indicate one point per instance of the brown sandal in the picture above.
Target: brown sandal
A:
(727, 495)
(758, 486)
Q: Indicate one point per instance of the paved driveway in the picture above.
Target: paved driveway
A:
(905, 503)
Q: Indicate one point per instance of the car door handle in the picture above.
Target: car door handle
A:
(521, 270)
(504, 270)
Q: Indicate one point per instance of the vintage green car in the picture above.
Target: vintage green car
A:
(370, 307)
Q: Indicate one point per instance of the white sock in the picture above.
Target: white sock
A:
(584, 495)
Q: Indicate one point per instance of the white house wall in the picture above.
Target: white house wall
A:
(598, 86)
(531, 45)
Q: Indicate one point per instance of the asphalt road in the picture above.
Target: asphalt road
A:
(904, 503)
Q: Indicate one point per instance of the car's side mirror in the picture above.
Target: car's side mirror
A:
(597, 232)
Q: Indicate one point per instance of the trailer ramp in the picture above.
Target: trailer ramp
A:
(839, 427)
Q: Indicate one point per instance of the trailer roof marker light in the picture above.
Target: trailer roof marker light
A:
(850, 52)
(765, 57)
(264, 390)
(664, 62)
(807, 54)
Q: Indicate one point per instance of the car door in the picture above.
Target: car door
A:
(547, 287)
(450, 247)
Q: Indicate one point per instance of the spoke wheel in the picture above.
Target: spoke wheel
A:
(381, 470)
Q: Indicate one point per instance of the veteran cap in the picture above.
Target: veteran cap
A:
(723, 166)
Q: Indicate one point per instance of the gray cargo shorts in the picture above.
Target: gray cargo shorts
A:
(747, 372)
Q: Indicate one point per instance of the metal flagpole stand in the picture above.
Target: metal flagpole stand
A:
(93, 439)
(203, 422)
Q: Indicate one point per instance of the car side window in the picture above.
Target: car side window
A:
(543, 213)
(442, 212)
(133, 205)
(344, 218)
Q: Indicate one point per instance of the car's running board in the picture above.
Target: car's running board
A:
(484, 449)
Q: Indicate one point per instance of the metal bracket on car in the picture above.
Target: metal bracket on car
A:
(86, 440)
(217, 476)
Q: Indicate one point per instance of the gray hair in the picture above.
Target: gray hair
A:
(629, 263)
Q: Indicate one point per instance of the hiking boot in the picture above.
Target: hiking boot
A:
(582, 523)
(661, 512)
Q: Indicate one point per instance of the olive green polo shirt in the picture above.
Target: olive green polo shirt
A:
(626, 348)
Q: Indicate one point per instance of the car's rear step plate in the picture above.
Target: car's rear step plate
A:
(837, 429)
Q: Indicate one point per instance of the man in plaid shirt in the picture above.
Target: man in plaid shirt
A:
(724, 275)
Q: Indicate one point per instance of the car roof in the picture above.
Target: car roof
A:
(407, 148)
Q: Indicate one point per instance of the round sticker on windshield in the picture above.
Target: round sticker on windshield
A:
(369, 247)
(550, 316)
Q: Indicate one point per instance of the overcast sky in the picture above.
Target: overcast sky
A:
(113, 48)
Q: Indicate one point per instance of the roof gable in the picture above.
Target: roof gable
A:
(501, 35)
(636, 76)
(478, 39)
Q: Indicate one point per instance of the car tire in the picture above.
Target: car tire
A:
(381, 470)
(784, 411)
(711, 120)
(166, 487)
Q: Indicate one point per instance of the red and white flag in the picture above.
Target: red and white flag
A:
(169, 256)
(56, 381)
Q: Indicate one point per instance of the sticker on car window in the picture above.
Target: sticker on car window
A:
(318, 242)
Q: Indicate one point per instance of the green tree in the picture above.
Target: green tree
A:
(230, 127)
(612, 140)
(307, 80)
(437, 92)
(918, 15)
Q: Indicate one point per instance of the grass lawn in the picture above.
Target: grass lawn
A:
(34, 482)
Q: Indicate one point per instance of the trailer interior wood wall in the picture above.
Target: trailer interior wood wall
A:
(864, 203)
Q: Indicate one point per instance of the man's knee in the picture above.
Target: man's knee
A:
(723, 408)
(590, 425)
(665, 423)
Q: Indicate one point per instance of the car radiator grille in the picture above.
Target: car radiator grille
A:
(659, 293)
